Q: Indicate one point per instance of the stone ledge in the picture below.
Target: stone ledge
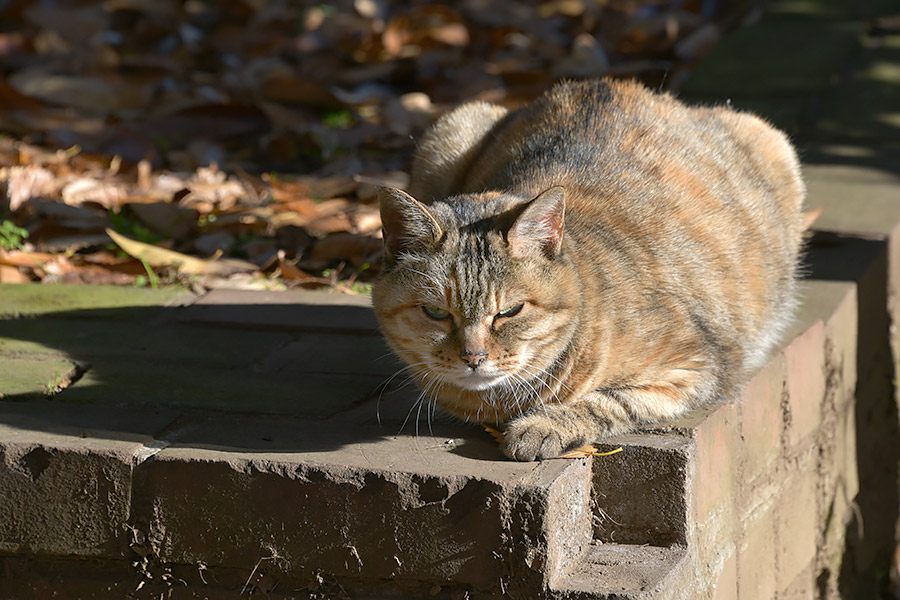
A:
(336, 493)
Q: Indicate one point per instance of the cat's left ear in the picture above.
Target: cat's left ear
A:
(540, 226)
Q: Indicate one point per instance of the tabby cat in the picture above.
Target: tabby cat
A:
(602, 258)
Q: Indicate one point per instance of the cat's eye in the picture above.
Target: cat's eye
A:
(511, 311)
(433, 312)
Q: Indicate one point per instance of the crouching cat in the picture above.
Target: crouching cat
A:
(602, 258)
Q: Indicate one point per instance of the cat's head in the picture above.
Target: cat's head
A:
(477, 291)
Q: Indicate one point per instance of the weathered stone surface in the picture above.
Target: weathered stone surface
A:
(726, 587)
(622, 571)
(805, 358)
(796, 527)
(855, 200)
(158, 383)
(325, 499)
(146, 335)
(761, 420)
(65, 477)
(37, 299)
(756, 567)
(641, 493)
(29, 377)
(321, 311)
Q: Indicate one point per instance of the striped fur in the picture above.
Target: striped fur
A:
(653, 248)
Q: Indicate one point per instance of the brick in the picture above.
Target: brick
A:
(841, 333)
(797, 519)
(761, 419)
(727, 584)
(756, 569)
(846, 452)
(835, 303)
(841, 486)
(803, 587)
(65, 477)
(715, 474)
(805, 357)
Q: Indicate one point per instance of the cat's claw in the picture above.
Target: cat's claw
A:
(533, 437)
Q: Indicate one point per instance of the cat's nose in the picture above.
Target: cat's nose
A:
(473, 359)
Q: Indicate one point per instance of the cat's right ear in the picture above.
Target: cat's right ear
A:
(406, 223)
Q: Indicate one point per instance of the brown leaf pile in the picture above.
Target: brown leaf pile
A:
(259, 130)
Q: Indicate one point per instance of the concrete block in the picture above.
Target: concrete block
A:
(761, 420)
(805, 358)
(726, 587)
(313, 497)
(624, 571)
(567, 516)
(65, 477)
(640, 494)
(796, 525)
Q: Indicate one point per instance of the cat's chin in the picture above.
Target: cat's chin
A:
(479, 382)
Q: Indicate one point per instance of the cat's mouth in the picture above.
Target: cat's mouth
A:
(475, 380)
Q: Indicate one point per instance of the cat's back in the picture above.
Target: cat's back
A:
(696, 209)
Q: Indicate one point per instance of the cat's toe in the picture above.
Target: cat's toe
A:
(532, 440)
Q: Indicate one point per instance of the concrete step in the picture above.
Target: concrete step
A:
(621, 571)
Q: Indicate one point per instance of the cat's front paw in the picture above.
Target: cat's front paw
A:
(535, 437)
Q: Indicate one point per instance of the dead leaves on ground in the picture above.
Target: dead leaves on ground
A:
(580, 452)
(118, 113)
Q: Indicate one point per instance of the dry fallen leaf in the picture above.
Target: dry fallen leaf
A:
(190, 265)
(587, 450)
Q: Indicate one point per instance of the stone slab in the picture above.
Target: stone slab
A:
(855, 200)
(320, 311)
(197, 387)
(146, 335)
(348, 502)
(39, 299)
(620, 571)
(65, 477)
(26, 377)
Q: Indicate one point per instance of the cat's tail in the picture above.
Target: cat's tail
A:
(448, 148)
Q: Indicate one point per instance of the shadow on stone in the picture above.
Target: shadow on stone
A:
(256, 377)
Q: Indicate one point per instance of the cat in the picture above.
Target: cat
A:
(603, 258)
